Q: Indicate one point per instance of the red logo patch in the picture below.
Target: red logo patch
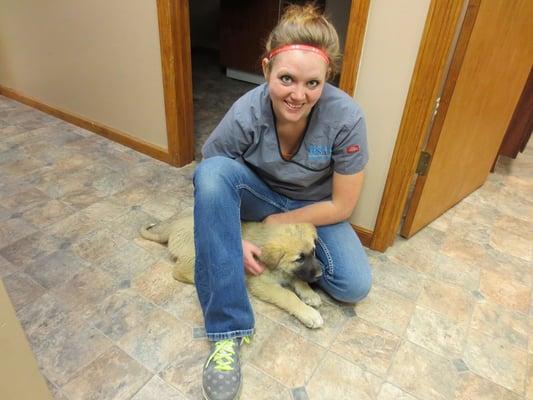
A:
(354, 148)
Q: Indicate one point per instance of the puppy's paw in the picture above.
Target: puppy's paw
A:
(311, 318)
(311, 299)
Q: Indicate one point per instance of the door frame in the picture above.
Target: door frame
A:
(445, 96)
(426, 82)
(175, 42)
(428, 74)
(174, 33)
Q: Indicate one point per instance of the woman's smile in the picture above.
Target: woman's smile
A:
(293, 107)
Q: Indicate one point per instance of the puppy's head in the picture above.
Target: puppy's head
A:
(292, 250)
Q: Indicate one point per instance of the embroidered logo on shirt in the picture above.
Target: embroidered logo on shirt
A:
(318, 151)
(354, 148)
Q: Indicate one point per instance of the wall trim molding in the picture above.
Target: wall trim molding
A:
(365, 235)
(93, 126)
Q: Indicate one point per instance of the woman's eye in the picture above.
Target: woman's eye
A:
(286, 79)
(313, 84)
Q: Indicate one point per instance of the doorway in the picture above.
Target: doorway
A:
(224, 67)
(175, 41)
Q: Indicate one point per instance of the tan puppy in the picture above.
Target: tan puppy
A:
(287, 251)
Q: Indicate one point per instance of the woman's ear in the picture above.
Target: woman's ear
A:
(266, 69)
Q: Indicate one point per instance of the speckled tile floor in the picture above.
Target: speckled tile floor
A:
(449, 317)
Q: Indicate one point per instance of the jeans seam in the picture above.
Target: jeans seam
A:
(261, 197)
(329, 266)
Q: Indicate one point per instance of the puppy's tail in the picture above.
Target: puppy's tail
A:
(158, 232)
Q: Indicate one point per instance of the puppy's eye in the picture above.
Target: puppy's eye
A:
(300, 258)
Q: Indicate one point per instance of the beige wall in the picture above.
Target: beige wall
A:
(392, 39)
(99, 59)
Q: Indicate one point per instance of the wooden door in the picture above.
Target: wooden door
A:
(488, 71)
(244, 29)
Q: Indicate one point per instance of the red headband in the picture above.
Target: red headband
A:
(302, 47)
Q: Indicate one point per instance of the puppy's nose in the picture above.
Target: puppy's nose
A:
(317, 268)
(317, 273)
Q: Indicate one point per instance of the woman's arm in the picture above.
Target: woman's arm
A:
(345, 193)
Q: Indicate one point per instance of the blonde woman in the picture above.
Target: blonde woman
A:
(291, 150)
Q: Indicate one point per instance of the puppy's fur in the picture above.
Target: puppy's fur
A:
(287, 251)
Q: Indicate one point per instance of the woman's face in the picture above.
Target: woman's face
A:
(295, 81)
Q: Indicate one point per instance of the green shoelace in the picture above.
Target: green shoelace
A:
(224, 352)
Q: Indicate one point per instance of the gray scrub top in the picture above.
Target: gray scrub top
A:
(334, 140)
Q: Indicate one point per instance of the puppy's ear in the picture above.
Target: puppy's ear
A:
(271, 255)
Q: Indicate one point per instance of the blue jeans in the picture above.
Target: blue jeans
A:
(226, 191)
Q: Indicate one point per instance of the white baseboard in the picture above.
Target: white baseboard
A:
(244, 76)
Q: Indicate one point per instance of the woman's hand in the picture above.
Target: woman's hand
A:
(251, 254)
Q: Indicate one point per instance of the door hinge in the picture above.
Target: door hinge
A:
(423, 163)
(436, 107)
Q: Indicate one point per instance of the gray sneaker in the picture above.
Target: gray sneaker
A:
(222, 371)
